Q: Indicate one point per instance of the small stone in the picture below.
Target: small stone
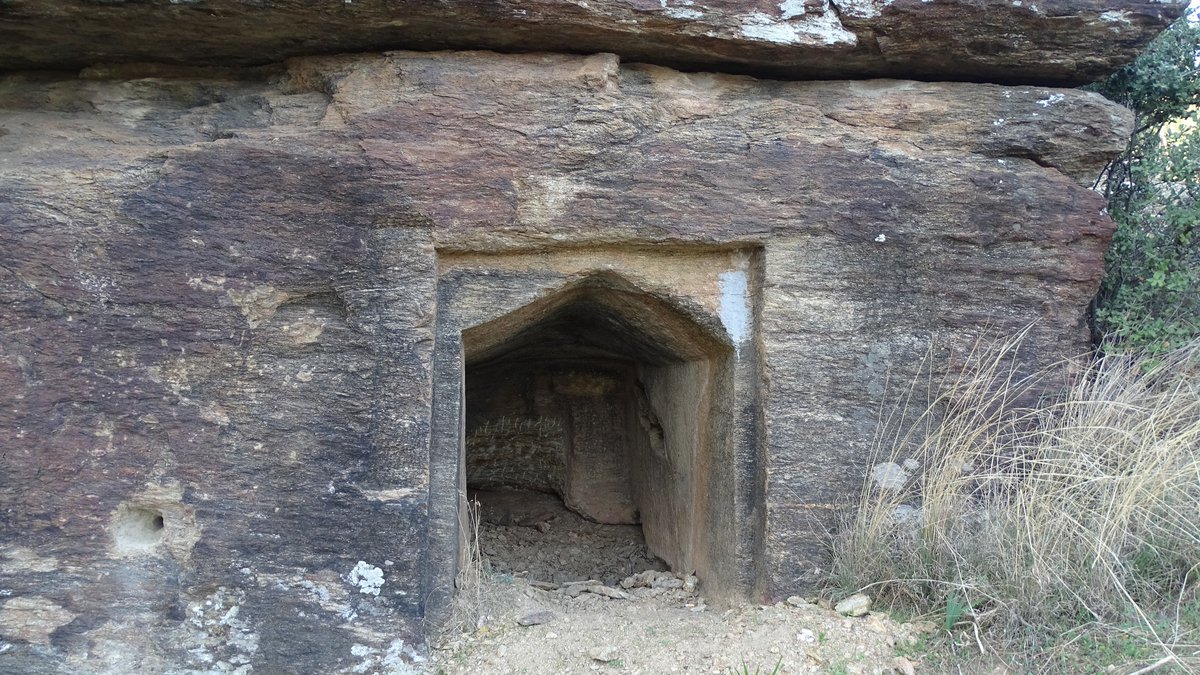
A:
(543, 527)
(640, 580)
(609, 592)
(923, 626)
(551, 636)
(573, 589)
(806, 635)
(889, 476)
(796, 601)
(906, 515)
(603, 654)
(668, 582)
(855, 605)
(537, 618)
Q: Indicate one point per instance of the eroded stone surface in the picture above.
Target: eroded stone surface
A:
(1064, 41)
(221, 298)
(32, 619)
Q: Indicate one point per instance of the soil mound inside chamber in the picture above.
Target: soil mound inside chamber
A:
(533, 535)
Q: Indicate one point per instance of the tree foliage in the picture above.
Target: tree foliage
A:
(1150, 298)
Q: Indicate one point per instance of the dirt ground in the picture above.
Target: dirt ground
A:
(558, 594)
(672, 632)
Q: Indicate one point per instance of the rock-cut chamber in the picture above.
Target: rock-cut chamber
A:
(590, 414)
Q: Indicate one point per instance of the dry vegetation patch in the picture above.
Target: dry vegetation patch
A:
(1047, 533)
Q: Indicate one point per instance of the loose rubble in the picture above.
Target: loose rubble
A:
(656, 621)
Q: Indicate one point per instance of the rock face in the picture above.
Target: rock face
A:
(253, 316)
(1048, 41)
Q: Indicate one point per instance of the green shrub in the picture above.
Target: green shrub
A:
(1150, 298)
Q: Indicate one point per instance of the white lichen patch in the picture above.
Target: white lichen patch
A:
(96, 284)
(861, 9)
(790, 9)
(1051, 100)
(368, 578)
(795, 27)
(1116, 16)
(207, 283)
(322, 589)
(221, 640)
(680, 10)
(398, 659)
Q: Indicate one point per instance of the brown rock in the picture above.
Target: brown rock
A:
(1063, 41)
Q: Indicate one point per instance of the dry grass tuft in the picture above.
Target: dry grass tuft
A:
(1029, 519)
(475, 600)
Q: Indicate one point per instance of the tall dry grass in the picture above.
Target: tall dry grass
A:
(1025, 519)
(475, 601)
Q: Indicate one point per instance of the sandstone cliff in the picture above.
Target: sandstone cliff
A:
(219, 358)
(247, 282)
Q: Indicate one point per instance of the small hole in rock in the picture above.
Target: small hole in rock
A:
(136, 529)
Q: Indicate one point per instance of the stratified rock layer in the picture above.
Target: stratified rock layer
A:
(225, 329)
(1047, 41)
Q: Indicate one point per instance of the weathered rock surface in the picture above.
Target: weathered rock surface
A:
(1048, 41)
(223, 353)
